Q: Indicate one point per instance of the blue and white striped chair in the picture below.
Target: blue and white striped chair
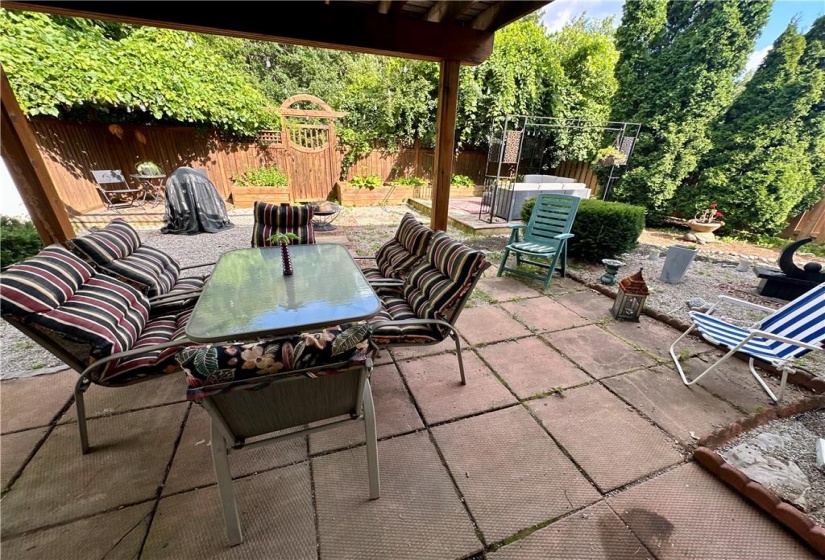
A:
(778, 339)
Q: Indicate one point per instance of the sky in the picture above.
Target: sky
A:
(560, 12)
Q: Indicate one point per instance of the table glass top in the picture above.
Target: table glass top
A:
(248, 296)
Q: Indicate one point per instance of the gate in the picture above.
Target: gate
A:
(309, 137)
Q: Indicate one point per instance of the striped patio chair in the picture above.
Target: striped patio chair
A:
(396, 257)
(425, 308)
(96, 324)
(778, 339)
(272, 218)
(116, 250)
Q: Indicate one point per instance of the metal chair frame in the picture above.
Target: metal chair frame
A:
(115, 176)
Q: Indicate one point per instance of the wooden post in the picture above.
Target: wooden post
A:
(444, 142)
(28, 170)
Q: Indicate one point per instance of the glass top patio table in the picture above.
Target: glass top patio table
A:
(248, 296)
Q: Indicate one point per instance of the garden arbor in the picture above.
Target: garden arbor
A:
(450, 33)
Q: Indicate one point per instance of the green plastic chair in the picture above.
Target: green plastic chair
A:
(545, 236)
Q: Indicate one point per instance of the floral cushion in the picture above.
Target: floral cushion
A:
(271, 219)
(213, 369)
(396, 309)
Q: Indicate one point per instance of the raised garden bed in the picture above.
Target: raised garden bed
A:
(387, 194)
(245, 197)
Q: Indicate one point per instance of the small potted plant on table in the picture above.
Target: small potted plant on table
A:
(282, 240)
(267, 184)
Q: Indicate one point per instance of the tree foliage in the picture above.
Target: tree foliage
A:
(676, 75)
(60, 66)
(761, 169)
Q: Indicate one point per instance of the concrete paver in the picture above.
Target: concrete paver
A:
(510, 471)
(530, 367)
(117, 534)
(394, 412)
(598, 352)
(436, 386)
(486, 324)
(544, 315)
(505, 288)
(126, 465)
(588, 303)
(612, 443)
(655, 337)
(103, 401)
(419, 350)
(688, 413)
(16, 448)
(32, 402)
(192, 464)
(594, 533)
(687, 513)
(275, 510)
(418, 516)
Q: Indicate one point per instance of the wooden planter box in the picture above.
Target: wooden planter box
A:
(466, 192)
(245, 197)
(350, 196)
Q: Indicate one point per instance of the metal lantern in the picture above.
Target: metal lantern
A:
(631, 298)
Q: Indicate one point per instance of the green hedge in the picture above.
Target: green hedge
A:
(20, 240)
(602, 229)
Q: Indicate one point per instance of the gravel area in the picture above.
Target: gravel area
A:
(781, 451)
(709, 276)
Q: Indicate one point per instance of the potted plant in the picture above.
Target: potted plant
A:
(609, 156)
(464, 186)
(149, 169)
(267, 184)
(706, 221)
(371, 191)
(282, 240)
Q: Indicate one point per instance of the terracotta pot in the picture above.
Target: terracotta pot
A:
(700, 227)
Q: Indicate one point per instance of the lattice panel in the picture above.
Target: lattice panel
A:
(267, 137)
(511, 146)
(309, 138)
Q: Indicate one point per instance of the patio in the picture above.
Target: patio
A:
(571, 439)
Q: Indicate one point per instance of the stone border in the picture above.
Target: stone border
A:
(800, 377)
(770, 503)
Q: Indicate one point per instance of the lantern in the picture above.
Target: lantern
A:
(631, 298)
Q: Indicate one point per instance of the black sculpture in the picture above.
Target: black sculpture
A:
(788, 282)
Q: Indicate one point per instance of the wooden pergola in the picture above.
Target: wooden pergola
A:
(450, 33)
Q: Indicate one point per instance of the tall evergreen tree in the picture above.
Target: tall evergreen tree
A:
(761, 168)
(676, 75)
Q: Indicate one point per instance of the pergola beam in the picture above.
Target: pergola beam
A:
(307, 23)
(444, 142)
(28, 170)
(501, 13)
(446, 12)
(384, 6)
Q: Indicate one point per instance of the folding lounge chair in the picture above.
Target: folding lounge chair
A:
(84, 318)
(545, 236)
(778, 339)
(425, 308)
(324, 388)
(271, 219)
(112, 186)
(116, 250)
(395, 259)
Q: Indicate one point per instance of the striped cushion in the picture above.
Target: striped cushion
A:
(396, 309)
(183, 285)
(271, 219)
(115, 241)
(42, 283)
(149, 270)
(373, 273)
(435, 285)
(396, 257)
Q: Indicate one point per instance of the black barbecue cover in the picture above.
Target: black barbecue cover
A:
(193, 204)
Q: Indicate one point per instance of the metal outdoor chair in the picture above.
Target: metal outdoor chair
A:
(322, 390)
(271, 219)
(424, 309)
(116, 250)
(396, 257)
(545, 237)
(113, 188)
(780, 338)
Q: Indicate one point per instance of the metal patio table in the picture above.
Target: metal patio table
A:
(248, 296)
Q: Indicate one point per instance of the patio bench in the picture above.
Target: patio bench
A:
(396, 257)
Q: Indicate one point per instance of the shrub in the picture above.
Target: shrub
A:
(462, 181)
(20, 240)
(409, 182)
(148, 168)
(602, 229)
(262, 177)
(369, 182)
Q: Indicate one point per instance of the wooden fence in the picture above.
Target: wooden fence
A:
(581, 171)
(808, 224)
(72, 150)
